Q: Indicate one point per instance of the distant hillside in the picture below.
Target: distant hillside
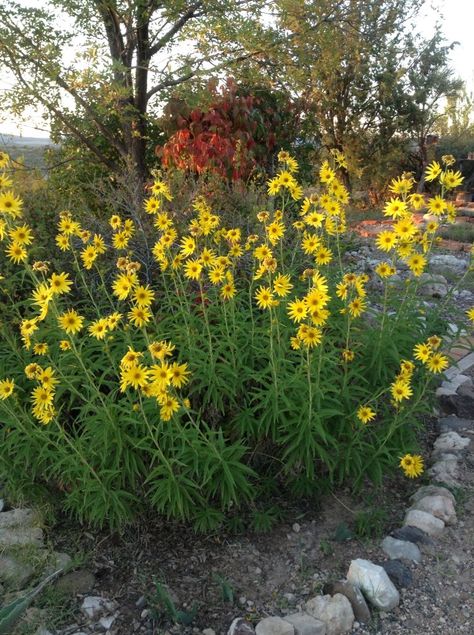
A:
(31, 149)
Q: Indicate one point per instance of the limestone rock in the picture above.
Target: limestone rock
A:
(432, 490)
(438, 506)
(19, 536)
(425, 521)
(441, 262)
(445, 470)
(274, 626)
(450, 442)
(462, 402)
(336, 612)
(374, 583)
(355, 597)
(433, 285)
(19, 518)
(305, 624)
(455, 424)
(400, 549)
(14, 573)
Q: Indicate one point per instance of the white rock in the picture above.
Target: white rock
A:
(335, 611)
(439, 262)
(450, 442)
(14, 572)
(94, 606)
(438, 506)
(305, 624)
(424, 521)
(432, 490)
(433, 285)
(445, 470)
(400, 549)
(466, 362)
(18, 518)
(450, 387)
(2, 504)
(19, 536)
(107, 622)
(274, 626)
(374, 582)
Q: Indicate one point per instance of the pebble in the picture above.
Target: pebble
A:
(208, 631)
(107, 622)
(94, 606)
(335, 611)
(423, 520)
(141, 602)
(296, 528)
(374, 583)
(400, 549)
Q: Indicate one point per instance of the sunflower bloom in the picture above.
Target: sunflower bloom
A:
(366, 414)
(264, 297)
(437, 363)
(71, 322)
(412, 465)
(401, 390)
(7, 387)
(297, 310)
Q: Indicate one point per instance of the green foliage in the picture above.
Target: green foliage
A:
(371, 523)
(227, 590)
(11, 613)
(326, 547)
(342, 533)
(256, 408)
(162, 606)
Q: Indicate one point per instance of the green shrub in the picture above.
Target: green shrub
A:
(175, 365)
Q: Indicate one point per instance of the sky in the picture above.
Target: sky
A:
(457, 23)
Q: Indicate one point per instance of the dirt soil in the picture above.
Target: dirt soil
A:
(221, 575)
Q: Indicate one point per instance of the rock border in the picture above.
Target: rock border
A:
(347, 602)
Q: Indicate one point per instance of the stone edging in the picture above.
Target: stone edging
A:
(433, 507)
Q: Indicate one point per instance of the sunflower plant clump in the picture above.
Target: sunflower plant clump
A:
(175, 363)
